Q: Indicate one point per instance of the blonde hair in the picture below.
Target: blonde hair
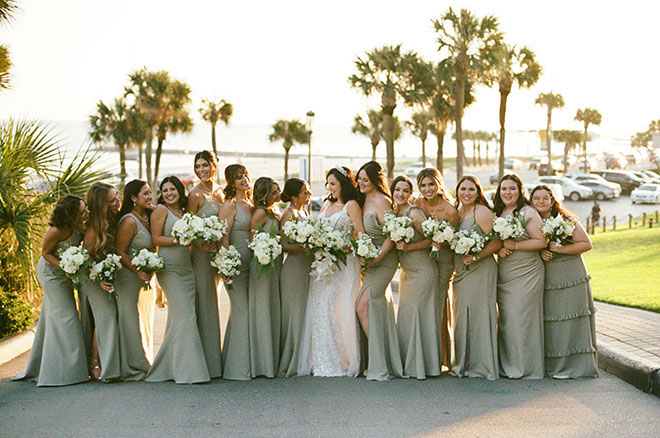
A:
(432, 172)
(100, 221)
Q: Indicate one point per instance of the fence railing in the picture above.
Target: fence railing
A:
(646, 219)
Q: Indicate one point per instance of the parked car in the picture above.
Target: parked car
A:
(535, 162)
(626, 180)
(413, 169)
(513, 163)
(494, 179)
(546, 169)
(592, 178)
(646, 193)
(316, 203)
(571, 189)
(654, 176)
(557, 189)
(645, 178)
(602, 191)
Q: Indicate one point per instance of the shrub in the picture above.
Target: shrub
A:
(15, 313)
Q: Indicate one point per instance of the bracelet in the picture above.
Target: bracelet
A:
(515, 245)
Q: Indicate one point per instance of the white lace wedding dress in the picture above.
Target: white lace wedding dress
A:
(329, 345)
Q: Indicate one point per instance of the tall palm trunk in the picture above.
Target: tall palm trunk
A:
(148, 153)
(122, 166)
(548, 132)
(159, 151)
(566, 148)
(584, 147)
(424, 151)
(388, 102)
(479, 151)
(286, 162)
(373, 151)
(139, 160)
(487, 160)
(460, 99)
(439, 159)
(504, 95)
(474, 153)
(215, 150)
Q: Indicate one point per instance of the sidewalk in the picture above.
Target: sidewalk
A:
(628, 343)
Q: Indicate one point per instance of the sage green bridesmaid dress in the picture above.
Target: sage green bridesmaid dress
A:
(520, 282)
(206, 283)
(418, 320)
(570, 318)
(265, 315)
(236, 347)
(58, 354)
(384, 356)
(133, 358)
(445, 267)
(474, 316)
(294, 287)
(181, 356)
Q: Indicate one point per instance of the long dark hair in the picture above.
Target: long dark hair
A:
(210, 158)
(348, 191)
(398, 179)
(432, 172)
(376, 176)
(132, 189)
(556, 206)
(292, 188)
(481, 197)
(66, 212)
(178, 185)
(522, 199)
(232, 173)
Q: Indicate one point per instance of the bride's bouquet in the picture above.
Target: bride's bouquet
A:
(364, 247)
(558, 230)
(188, 229)
(105, 271)
(149, 262)
(509, 227)
(468, 242)
(398, 228)
(266, 247)
(227, 261)
(328, 245)
(73, 262)
(439, 231)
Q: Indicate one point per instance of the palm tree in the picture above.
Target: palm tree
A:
(33, 176)
(570, 138)
(419, 126)
(472, 49)
(515, 66)
(290, 132)
(8, 10)
(391, 73)
(588, 116)
(372, 128)
(551, 101)
(176, 116)
(213, 112)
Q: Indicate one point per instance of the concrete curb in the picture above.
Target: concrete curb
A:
(16, 344)
(637, 371)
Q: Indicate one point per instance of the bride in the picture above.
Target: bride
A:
(329, 345)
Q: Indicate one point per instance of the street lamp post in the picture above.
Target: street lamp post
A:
(310, 117)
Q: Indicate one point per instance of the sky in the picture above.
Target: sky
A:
(279, 59)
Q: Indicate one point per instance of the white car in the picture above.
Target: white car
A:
(413, 169)
(646, 193)
(557, 190)
(571, 189)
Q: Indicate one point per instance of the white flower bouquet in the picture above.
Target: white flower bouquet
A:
(227, 261)
(468, 242)
(213, 230)
(266, 248)
(73, 262)
(328, 245)
(398, 228)
(299, 232)
(324, 264)
(105, 271)
(149, 262)
(364, 247)
(188, 229)
(558, 230)
(439, 231)
(509, 227)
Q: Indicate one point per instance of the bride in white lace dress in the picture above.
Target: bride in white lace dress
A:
(329, 345)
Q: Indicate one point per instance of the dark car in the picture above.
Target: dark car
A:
(546, 170)
(626, 180)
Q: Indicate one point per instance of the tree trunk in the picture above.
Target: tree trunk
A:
(548, 138)
(373, 151)
(388, 104)
(215, 149)
(148, 153)
(479, 151)
(503, 97)
(439, 160)
(424, 152)
(487, 145)
(584, 146)
(460, 99)
(159, 151)
(474, 153)
(122, 166)
(286, 163)
(566, 147)
(139, 160)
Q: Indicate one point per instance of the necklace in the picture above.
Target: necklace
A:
(143, 219)
(178, 212)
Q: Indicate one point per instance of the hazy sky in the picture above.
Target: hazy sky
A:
(278, 59)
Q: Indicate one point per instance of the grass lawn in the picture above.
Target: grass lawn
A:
(625, 268)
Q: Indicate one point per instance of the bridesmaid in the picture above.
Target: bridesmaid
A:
(237, 210)
(374, 306)
(264, 289)
(568, 307)
(520, 287)
(418, 320)
(474, 311)
(294, 279)
(58, 353)
(98, 311)
(181, 356)
(134, 311)
(435, 203)
(205, 200)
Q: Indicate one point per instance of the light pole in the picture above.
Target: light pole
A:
(310, 117)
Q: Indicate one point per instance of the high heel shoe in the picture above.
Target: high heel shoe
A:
(95, 369)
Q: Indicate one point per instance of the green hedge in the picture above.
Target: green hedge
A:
(15, 313)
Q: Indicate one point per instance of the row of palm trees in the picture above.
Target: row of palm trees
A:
(474, 53)
(8, 10)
